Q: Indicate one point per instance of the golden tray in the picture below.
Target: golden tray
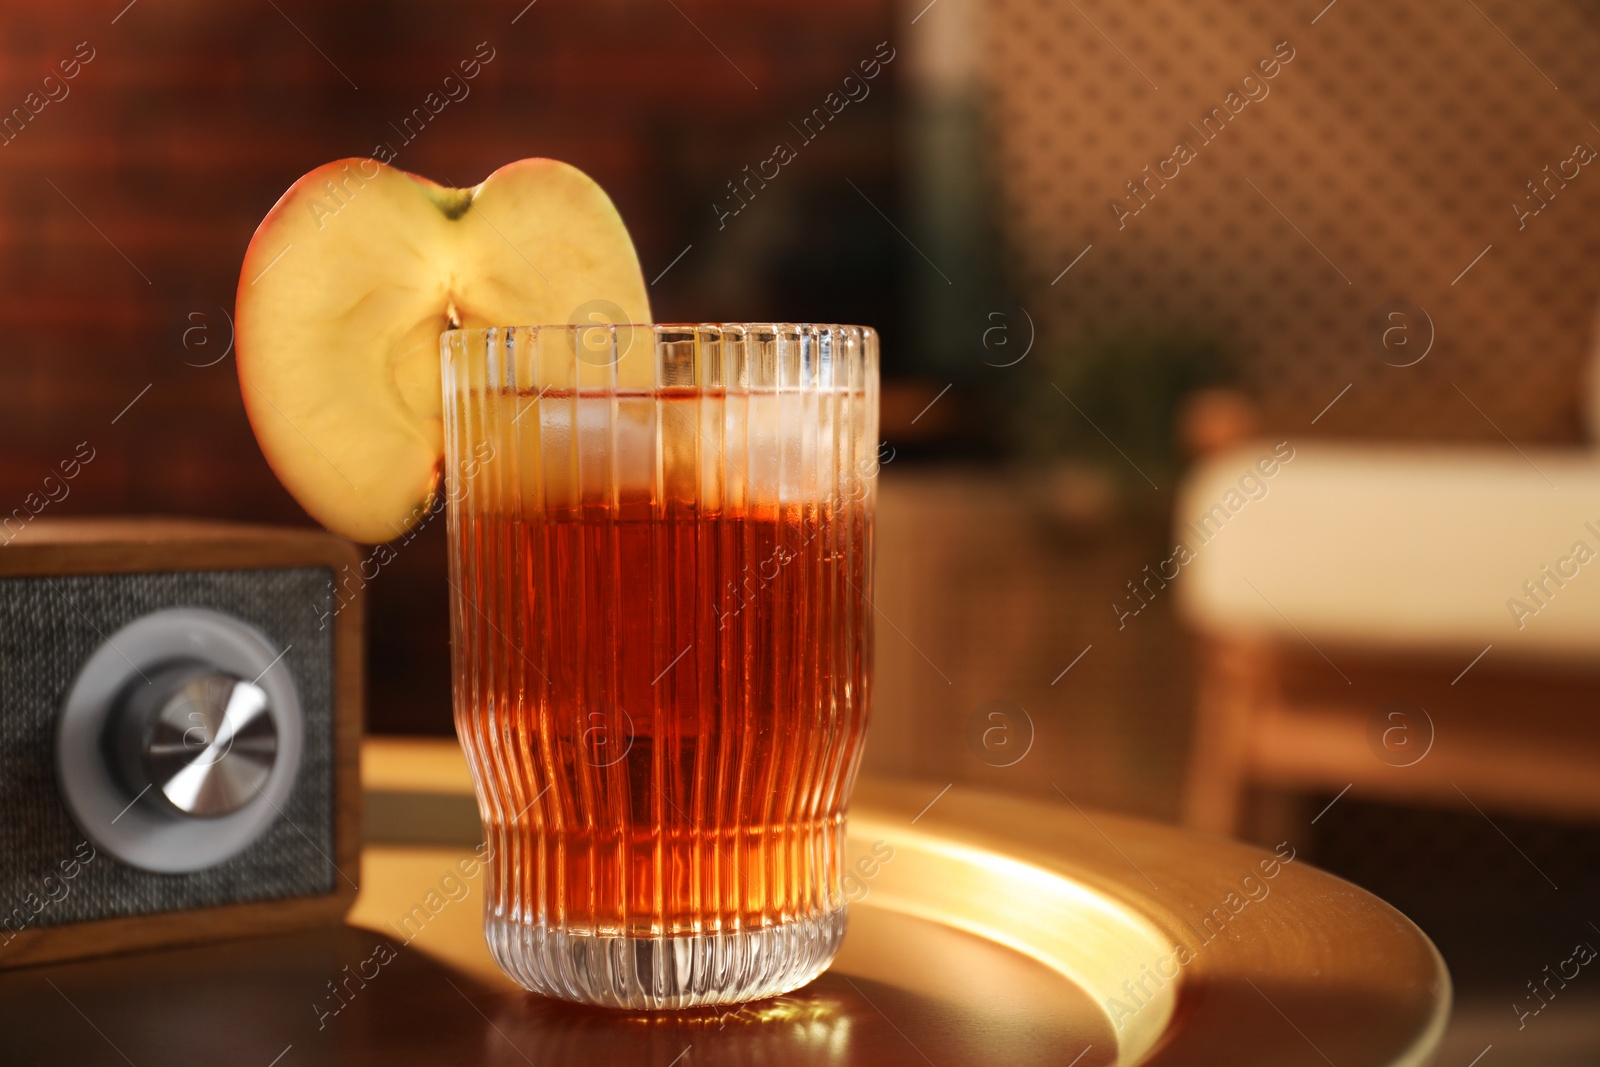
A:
(985, 929)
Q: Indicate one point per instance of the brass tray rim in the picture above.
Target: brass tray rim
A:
(998, 842)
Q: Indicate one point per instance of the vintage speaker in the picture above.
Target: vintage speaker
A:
(180, 714)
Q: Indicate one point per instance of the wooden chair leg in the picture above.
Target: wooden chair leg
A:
(1274, 815)
(1234, 680)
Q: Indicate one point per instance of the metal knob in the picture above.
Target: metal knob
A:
(196, 739)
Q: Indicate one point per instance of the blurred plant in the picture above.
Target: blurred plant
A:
(1122, 394)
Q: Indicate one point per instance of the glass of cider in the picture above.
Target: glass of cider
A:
(661, 564)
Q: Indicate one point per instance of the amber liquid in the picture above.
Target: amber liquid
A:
(665, 712)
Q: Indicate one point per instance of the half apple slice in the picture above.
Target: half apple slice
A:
(346, 287)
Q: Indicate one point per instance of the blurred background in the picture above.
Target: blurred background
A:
(1239, 372)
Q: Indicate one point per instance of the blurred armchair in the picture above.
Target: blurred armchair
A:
(1415, 623)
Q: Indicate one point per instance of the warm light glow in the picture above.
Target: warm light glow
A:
(1079, 932)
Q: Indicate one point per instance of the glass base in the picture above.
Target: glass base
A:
(665, 972)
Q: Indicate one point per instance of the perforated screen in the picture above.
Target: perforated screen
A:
(1391, 148)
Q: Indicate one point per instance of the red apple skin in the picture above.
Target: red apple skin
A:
(345, 288)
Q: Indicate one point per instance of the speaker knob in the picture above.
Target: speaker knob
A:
(196, 738)
(179, 741)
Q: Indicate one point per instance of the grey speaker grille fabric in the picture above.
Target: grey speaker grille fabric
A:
(48, 627)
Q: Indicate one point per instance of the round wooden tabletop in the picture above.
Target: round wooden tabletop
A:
(996, 930)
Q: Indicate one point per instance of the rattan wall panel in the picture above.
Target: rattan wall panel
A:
(1383, 158)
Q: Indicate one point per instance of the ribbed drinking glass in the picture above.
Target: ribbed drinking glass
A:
(661, 562)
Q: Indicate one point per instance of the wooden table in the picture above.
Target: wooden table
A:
(1001, 931)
